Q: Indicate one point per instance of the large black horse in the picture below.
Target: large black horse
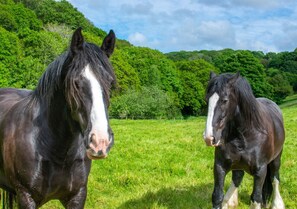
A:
(48, 136)
(248, 135)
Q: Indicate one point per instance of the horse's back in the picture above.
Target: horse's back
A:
(9, 97)
(276, 121)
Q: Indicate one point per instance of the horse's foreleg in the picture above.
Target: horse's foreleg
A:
(218, 192)
(259, 178)
(231, 197)
(77, 201)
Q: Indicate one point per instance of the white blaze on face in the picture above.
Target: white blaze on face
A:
(212, 103)
(98, 114)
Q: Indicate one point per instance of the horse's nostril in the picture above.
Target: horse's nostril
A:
(93, 140)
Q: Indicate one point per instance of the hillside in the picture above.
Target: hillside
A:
(150, 84)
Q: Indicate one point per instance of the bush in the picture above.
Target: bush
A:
(148, 103)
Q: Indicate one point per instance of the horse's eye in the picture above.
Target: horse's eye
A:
(224, 101)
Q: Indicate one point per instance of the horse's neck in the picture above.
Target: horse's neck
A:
(62, 134)
(235, 125)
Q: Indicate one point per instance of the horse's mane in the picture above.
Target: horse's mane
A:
(66, 70)
(248, 105)
(250, 108)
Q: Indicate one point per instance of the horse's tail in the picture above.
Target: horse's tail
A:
(8, 199)
(267, 187)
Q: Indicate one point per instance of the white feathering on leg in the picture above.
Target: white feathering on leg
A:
(277, 201)
(231, 197)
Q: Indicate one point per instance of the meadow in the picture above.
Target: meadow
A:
(158, 164)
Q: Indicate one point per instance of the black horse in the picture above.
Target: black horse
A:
(48, 136)
(248, 135)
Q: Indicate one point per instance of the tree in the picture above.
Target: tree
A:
(146, 103)
(251, 68)
(126, 75)
(281, 85)
(194, 77)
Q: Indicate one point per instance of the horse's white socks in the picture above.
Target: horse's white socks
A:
(277, 201)
(231, 197)
(255, 205)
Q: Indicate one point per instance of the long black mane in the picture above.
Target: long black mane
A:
(56, 77)
(249, 108)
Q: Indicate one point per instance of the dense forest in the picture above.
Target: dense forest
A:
(150, 84)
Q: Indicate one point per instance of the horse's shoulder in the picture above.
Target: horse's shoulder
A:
(271, 107)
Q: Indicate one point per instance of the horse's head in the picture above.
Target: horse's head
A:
(222, 104)
(88, 80)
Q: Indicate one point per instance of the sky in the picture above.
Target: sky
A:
(175, 25)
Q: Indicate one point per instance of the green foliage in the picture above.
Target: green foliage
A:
(61, 12)
(148, 103)
(9, 55)
(280, 84)
(285, 62)
(194, 77)
(153, 68)
(251, 68)
(7, 20)
(43, 45)
(15, 17)
(126, 75)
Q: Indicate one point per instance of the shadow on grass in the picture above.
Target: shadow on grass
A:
(198, 197)
(173, 198)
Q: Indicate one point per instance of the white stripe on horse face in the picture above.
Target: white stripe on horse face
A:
(212, 103)
(98, 113)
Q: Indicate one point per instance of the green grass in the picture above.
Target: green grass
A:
(289, 101)
(158, 164)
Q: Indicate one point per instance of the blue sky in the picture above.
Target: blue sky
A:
(174, 25)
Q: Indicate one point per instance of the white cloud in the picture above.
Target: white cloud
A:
(266, 25)
(137, 39)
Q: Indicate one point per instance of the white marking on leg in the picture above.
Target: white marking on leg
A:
(255, 205)
(212, 103)
(231, 197)
(277, 201)
(98, 114)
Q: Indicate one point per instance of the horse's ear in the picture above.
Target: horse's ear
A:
(234, 78)
(77, 41)
(212, 75)
(109, 43)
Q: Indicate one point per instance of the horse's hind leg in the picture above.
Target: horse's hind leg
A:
(259, 179)
(277, 201)
(231, 197)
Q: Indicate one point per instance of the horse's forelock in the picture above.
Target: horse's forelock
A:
(67, 68)
(93, 56)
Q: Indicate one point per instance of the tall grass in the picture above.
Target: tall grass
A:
(158, 164)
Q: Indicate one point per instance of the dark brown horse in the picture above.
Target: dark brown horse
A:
(248, 135)
(48, 136)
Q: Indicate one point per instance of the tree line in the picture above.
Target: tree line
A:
(150, 84)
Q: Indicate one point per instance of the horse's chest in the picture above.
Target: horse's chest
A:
(57, 181)
(238, 157)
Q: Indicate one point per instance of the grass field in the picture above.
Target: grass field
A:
(158, 164)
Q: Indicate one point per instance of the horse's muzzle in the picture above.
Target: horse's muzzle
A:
(98, 148)
(211, 141)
